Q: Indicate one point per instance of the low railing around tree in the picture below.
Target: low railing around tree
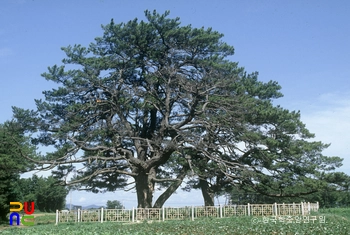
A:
(181, 213)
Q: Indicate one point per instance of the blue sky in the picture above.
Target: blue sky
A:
(304, 45)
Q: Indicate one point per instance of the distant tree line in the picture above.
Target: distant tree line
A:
(47, 194)
(115, 204)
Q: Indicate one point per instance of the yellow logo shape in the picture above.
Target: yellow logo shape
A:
(18, 204)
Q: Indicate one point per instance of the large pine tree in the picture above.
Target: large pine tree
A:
(155, 102)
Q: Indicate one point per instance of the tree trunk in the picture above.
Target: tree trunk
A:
(207, 192)
(144, 189)
(171, 189)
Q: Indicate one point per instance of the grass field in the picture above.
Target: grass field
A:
(337, 222)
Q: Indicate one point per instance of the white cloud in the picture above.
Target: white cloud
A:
(82, 199)
(331, 124)
(335, 99)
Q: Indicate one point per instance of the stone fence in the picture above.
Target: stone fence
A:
(181, 213)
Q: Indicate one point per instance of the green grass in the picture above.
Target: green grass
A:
(337, 222)
(47, 218)
(343, 212)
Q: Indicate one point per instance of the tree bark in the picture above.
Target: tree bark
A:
(207, 192)
(144, 189)
(171, 189)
